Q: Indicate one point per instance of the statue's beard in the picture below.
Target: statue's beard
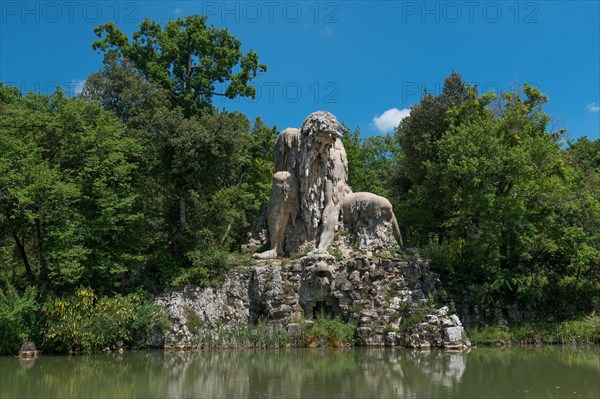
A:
(315, 155)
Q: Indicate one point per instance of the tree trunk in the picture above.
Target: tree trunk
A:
(23, 254)
(227, 232)
(43, 267)
(182, 215)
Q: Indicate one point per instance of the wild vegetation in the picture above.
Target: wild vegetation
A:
(322, 331)
(141, 183)
(585, 331)
(507, 213)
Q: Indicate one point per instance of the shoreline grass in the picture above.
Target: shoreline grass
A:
(585, 331)
(322, 331)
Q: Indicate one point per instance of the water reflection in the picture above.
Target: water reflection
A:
(26, 362)
(309, 373)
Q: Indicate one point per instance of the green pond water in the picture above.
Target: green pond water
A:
(553, 372)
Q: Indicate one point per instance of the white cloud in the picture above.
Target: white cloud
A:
(177, 11)
(592, 107)
(390, 119)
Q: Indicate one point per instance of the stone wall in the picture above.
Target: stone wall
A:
(378, 294)
(496, 314)
(194, 309)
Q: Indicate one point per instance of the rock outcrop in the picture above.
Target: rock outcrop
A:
(28, 350)
(194, 310)
(388, 299)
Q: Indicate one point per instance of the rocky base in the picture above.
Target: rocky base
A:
(194, 310)
(440, 330)
(389, 298)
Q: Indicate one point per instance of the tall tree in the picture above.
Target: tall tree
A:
(421, 206)
(510, 227)
(188, 58)
(205, 170)
(67, 198)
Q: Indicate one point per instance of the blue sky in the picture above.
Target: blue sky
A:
(367, 62)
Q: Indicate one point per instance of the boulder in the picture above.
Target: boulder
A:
(28, 350)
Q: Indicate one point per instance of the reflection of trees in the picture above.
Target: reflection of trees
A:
(67, 377)
(239, 374)
(347, 373)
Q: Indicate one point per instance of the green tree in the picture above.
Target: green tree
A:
(187, 58)
(513, 224)
(371, 162)
(203, 178)
(67, 200)
(420, 202)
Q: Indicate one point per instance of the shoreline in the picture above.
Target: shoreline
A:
(485, 346)
(526, 335)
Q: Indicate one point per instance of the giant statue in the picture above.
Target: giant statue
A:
(310, 195)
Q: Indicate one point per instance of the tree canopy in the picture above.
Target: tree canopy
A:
(66, 180)
(189, 59)
(505, 212)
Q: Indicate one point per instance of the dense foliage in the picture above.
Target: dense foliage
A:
(371, 162)
(17, 317)
(67, 207)
(139, 183)
(84, 322)
(507, 214)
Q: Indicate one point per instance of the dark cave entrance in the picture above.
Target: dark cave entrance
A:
(327, 307)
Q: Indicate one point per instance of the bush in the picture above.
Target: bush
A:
(208, 268)
(17, 317)
(412, 317)
(570, 298)
(88, 323)
(332, 332)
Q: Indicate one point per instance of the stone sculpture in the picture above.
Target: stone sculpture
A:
(309, 188)
(368, 206)
(316, 287)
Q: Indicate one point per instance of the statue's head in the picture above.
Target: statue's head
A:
(320, 130)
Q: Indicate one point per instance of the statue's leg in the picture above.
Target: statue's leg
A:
(331, 214)
(329, 219)
(282, 204)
